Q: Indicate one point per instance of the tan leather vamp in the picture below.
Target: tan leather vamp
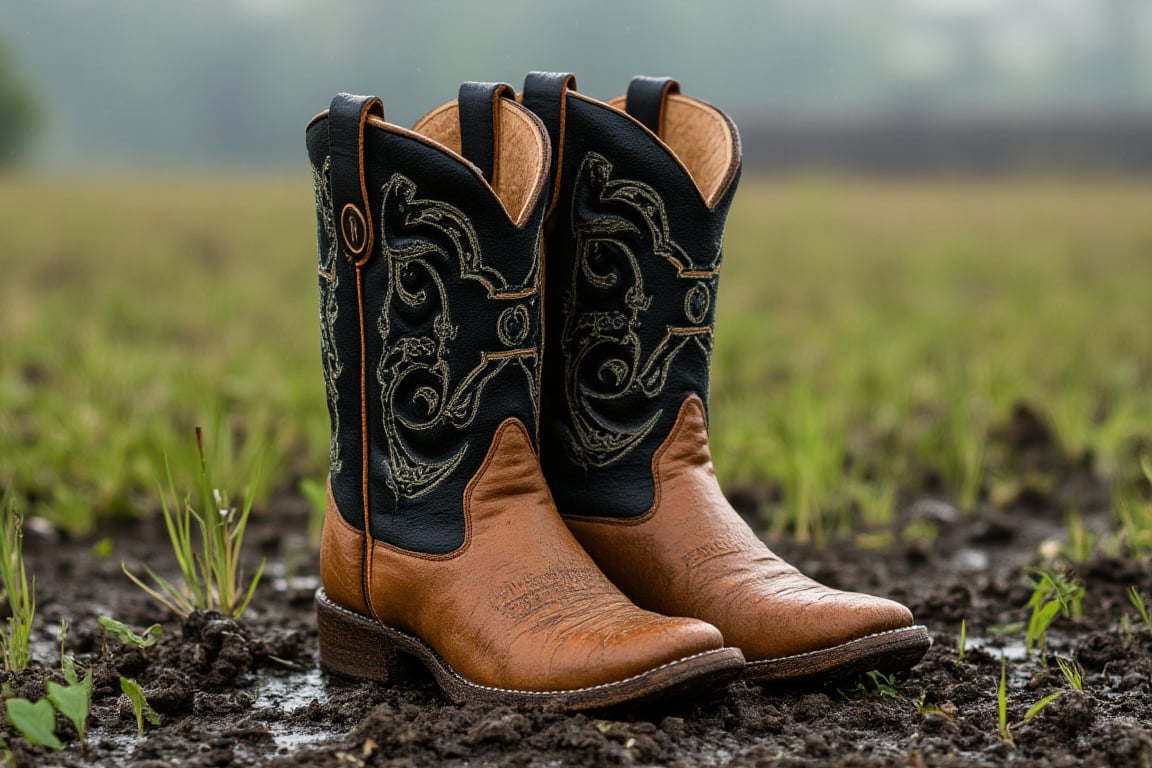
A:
(520, 605)
(693, 555)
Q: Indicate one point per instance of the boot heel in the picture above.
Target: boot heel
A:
(356, 646)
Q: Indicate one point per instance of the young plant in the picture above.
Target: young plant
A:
(948, 711)
(872, 683)
(1081, 542)
(124, 633)
(140, 704)
(1053, 593)
(963, 641)
(35, 720)
(317, 495)
(1072, 673)
(1135, 512)
(207, 545)
(1002, 704)
(1036, 708)
(883, 686)
(73, 701)
(18, 590)
(1141, 607)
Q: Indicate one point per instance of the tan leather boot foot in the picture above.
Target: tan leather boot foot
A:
(441, 540)
(691, 554)
(519, 614)
(641, 188)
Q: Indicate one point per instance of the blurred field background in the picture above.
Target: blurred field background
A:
(885, 315)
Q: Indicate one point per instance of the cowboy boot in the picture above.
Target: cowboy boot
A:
(640, 190)
(441, 540)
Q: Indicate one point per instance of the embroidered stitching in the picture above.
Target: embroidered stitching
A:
(329, 309)
(604, 359)
(414, 368)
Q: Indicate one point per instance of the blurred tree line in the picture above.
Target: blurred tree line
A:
(17, 112)
(233, 82)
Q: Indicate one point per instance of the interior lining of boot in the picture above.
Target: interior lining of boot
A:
(518, 169)
(701, 138)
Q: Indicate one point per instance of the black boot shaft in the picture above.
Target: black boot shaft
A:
(430, 322)
(632, 257)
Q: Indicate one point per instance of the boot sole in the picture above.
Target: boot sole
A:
(890, 651)
(355, 646)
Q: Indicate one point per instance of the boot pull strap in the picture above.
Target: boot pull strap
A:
(480, 124)
(346, 118)
(646, 98)
(545, 93)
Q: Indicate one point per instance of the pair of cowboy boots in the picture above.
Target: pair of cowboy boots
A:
(516, 308)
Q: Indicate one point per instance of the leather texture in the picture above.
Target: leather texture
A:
(646, 99)
(546, 94)
(480, 123)
(632, 272)
(528, 608)
(693, 555)
(633, 268)
(440, 523)
(431, 339)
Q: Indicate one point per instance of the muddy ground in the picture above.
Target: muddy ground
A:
(252, 694)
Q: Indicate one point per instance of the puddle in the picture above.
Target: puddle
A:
(282, 693)
(1013, 650)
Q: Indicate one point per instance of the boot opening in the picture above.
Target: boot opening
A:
(520, 159)
(702, 139)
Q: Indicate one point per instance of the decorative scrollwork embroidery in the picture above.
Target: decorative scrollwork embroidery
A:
(421, 240)
(329, 309)
(608, 376)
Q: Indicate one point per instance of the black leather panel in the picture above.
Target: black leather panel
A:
(339, 329)
(645, 99)
(545, 93)
(451, 338)
(632, 260)
(478, 121)
(347, 115)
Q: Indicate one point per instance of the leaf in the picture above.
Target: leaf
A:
(1035, 708)
(171, 598)
(36, 721)
(1002, 704)
(73, 701)
(124, 633)
(68, 664)
(140, 704)
(251, 588)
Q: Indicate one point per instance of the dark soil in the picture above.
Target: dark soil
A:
(251, 693)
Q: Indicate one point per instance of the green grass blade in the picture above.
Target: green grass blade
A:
(1038, 706)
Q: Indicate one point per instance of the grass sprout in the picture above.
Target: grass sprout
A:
(19, 591)
(207, 546)
(1135, 512)
(1072, 673)
(948, 711)
(1002, 705)
(1081, 542)
(1053, 593)
(963, 641)
(1036, 708)
(1141, 606)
